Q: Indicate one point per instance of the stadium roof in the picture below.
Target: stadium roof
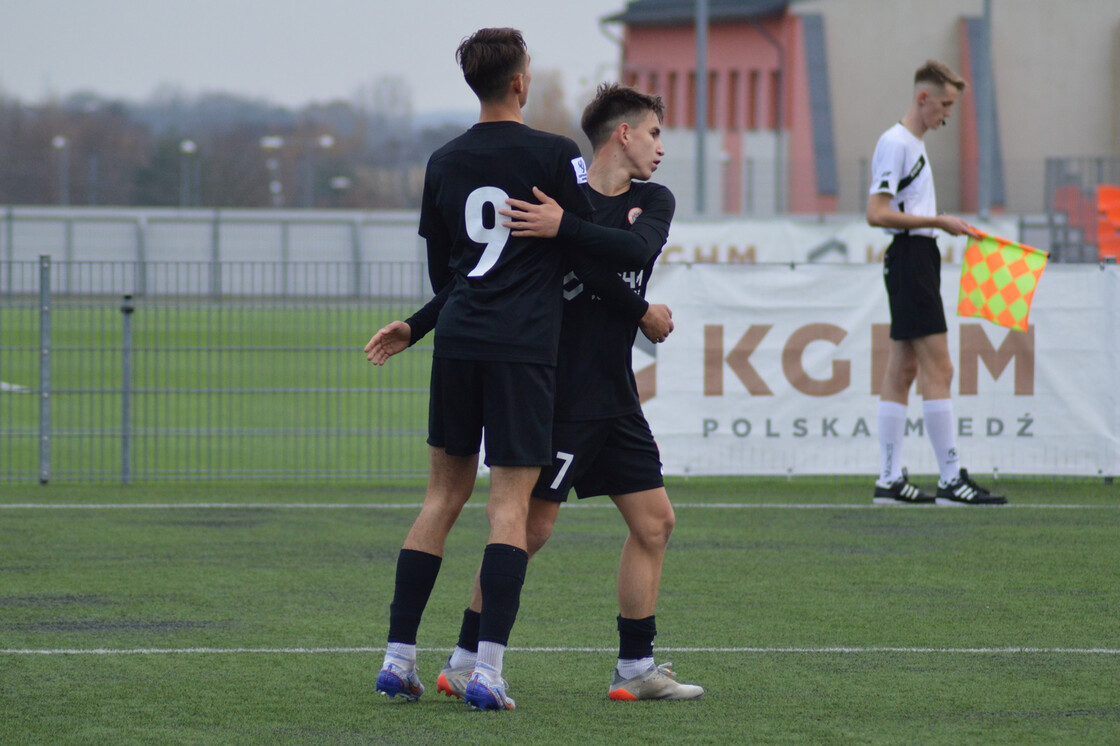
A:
(663, 12)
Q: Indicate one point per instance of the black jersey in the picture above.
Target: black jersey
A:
(505, 296)
(595, 378)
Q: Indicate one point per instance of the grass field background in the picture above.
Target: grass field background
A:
(239, 388)
(242, 613)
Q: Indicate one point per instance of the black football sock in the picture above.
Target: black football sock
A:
(501, 578)
(416, 576)
(635, 637)
(468, 632)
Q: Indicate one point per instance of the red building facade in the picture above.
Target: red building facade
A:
(769, 104)
(759, 94)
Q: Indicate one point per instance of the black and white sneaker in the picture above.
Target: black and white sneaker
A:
(900, 491)
(963, 491)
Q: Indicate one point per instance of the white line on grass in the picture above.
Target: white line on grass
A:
(579, 506)
(848, 650)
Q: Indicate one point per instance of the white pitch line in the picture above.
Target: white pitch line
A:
(218, 506)
(845, 650)
(481, 504)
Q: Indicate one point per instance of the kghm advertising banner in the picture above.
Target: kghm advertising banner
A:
(776, 370)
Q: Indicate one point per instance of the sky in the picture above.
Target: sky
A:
(290, 53)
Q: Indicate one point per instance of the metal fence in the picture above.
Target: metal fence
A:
(1071, 189)
(153, 235)
(207, 370)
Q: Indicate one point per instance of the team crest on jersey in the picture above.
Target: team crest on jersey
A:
(633, 214)
(581, 170)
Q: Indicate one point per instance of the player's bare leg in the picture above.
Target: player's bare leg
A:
(450, 482)
(453, 678)
(501, 577)
(649, 516)
(901, 372)
(508, 507)
(935, 367)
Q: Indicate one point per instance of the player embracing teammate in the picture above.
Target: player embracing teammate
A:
(503, 213)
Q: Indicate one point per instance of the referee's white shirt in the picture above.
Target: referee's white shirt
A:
(900, 168)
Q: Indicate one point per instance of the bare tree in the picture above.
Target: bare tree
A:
(386, 103)
(547, 110)
(207, 151)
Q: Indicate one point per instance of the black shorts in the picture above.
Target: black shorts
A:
(601, 457)
(512, 402)
(912, 273)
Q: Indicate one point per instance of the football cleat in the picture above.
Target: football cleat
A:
(963, 491)
(394, 681)
(481, 694)
(900, 491)
(453, 681)
(656, 682)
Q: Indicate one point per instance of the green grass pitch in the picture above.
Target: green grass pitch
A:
(236, 389)
(239, 613)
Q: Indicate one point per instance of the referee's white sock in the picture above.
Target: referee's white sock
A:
(938, 415)
(892, 427)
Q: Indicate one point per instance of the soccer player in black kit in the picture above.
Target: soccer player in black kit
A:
(601, 441)
(495, 353)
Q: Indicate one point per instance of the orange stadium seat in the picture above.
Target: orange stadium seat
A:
(1108, 222)
(1108, 202)
(1108, 247)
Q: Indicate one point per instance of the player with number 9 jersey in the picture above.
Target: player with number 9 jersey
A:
(505, 303)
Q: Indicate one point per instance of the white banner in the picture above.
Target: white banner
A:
(775, 370)
(833, 240)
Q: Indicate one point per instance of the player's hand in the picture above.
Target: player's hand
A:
(388, 341)
(657, 323)
(954, 226)
(534, 221)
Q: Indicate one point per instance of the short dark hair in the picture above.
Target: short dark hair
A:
(614, 104)
(939, 74)
(490, 57)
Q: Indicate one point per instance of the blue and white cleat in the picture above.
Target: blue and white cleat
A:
(394, 681)
(483, 695)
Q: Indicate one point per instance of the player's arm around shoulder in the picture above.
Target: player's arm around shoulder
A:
(564, 200)
(540, 220)
(658, 206)
(660, 200)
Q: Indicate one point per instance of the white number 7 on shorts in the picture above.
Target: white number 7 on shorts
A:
(567, 459)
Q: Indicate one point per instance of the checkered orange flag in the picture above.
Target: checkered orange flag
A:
(998, 279)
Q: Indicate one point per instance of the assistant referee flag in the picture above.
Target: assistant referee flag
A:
(998, 279)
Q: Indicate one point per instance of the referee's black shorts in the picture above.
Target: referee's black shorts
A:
(616, 456)
(512, 401)
(912, 273)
